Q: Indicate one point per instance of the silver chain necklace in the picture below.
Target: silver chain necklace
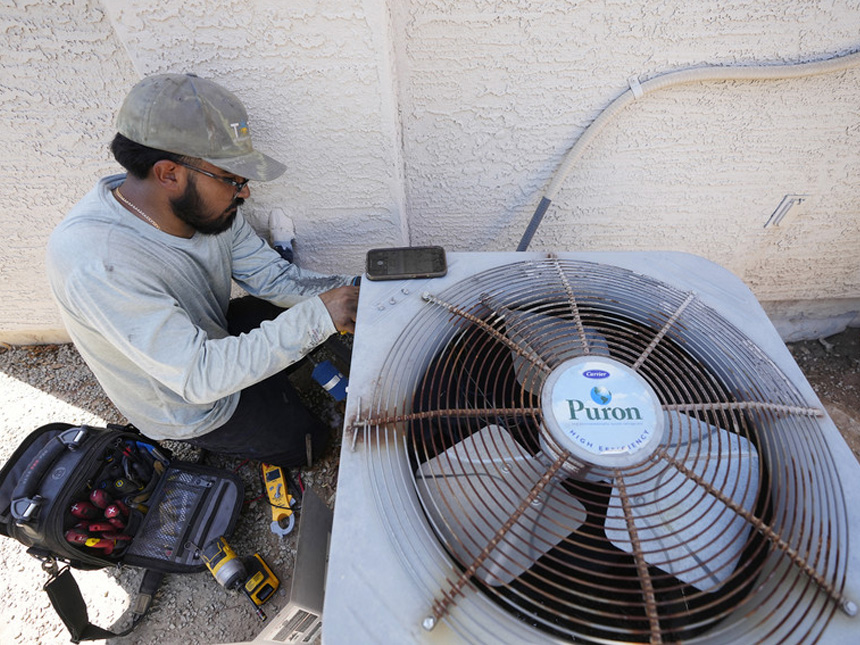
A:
(136, 209)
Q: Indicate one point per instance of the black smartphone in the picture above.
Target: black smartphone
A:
(400, 263)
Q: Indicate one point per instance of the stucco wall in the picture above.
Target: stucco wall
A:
(418, 121)
(494, 94)
(316, 77)
(62, 75)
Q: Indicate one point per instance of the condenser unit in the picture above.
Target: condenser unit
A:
(586, 447)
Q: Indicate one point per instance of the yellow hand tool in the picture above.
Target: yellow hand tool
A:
(280, 499)
(232, 573)
(262, 583)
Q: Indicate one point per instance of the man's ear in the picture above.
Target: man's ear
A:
(166, 173)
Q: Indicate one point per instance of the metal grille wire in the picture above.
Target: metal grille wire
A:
(457, 388)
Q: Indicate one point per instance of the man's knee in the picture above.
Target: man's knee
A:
(247, 313)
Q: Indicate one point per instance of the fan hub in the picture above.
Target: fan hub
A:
(602, 412)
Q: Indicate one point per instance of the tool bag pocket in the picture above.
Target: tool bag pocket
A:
(191, 506)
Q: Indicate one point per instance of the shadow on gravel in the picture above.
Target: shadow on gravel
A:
(60, 371)
(189, 608)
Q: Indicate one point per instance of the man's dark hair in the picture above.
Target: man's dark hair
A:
(138, 159)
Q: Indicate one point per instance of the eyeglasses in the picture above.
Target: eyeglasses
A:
(238, 185)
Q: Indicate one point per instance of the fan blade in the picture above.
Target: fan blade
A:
(542, 335)
(472, 489)
(684, 530)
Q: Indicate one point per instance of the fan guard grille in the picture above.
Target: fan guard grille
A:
(603, 553)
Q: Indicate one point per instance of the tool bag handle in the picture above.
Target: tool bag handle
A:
(65, 596)
(22, 496)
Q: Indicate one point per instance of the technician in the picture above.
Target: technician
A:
(142, 269)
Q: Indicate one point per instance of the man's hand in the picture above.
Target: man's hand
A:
(342, 304)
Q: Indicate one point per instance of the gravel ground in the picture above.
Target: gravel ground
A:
(832, 366)
(43, 384)
(48, 383)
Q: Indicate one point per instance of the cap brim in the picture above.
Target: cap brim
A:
(254, 165)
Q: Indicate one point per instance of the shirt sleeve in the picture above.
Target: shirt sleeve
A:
(149, 329)
(263, 273)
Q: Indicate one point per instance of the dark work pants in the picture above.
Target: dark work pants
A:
(271, 423)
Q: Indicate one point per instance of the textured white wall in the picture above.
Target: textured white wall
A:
(316, 78)
(419, 121)
(62, 76)
(315, 75)
(494, 93)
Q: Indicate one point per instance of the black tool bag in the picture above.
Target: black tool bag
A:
(98, 497)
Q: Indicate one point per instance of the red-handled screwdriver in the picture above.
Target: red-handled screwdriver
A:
(115, 510)
(117, 523)
(100, 498)
(77, 537)
(84, 510)
(98, 527)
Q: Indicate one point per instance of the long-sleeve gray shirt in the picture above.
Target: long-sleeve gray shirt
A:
(147, 311)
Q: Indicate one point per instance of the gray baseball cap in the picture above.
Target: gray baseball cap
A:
(195, 117)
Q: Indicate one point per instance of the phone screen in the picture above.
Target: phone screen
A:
(399, 263)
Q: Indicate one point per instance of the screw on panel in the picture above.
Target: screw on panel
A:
(429, 623)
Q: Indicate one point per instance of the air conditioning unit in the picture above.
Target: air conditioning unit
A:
(586, 447)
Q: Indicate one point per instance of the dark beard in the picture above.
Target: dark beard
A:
(189, 209)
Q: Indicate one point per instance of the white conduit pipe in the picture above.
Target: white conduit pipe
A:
(670, 79)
